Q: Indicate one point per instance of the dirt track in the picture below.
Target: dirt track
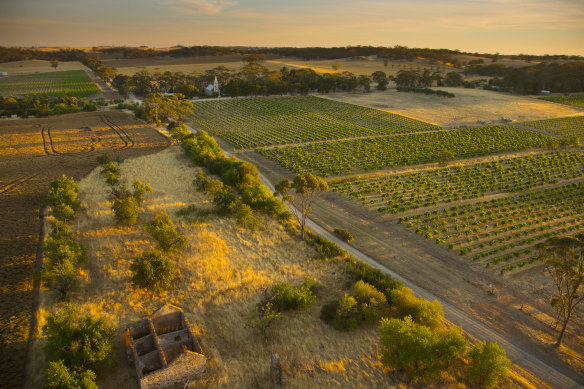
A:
(34, 152)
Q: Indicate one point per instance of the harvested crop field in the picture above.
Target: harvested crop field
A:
(34, 152)
(470, 107)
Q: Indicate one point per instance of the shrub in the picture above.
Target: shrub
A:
(345, 314)
(225, 202)
(200, 214)
(162, 229)
(140, 190)
(488, 364)
(59, 376)
(362, 271)
(344, 234)
(416, 350)
(241, 174)
(103, 159)
(200, 180)
(262, 318)
(245, 217)
(178, 130)
(369, 300)
(328, 249)
(286, 297)
(152, 271)
(328, 312)
(423, 312)
(76, 339)
(62, 197)
(126, 210)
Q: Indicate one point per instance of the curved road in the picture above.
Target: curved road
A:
(455, 315)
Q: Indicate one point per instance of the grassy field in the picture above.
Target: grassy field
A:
(344, 157)
(54, 84)
(249, 123)
(575, 100)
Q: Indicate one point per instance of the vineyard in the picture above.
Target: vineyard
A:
(344, 157)
(565, 127)
(74, 83)
(576, 100)
(403, 192)
(250, 123)
(502, 232)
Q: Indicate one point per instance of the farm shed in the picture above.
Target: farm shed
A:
(163, 349)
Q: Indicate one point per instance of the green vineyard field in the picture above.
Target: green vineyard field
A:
(250, 123)
(565, 127)
(403, 192)
(575, 100)
(502, 232)
(75, 83)
(344, 157)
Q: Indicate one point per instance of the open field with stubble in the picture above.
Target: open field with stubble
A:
(34, 152)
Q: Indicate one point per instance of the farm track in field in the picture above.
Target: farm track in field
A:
(126, 139)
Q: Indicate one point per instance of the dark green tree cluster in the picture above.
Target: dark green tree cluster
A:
(162, 229)
(40, 106)
(286, 297)
(367, 304)
(62, 255)
(76, 345)
(126, 205)
(239, 181)
(62, 198)
(426, 91)
(555, 77)
(153, 271)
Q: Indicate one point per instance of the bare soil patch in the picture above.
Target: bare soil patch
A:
(34, 152)
(466, 109)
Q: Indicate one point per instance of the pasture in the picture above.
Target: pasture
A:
(75, 83)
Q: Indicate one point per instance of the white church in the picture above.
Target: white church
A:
(213, 88)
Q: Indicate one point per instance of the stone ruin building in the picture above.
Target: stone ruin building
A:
(163, 349)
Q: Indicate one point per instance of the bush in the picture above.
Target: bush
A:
(423, 312)
(126, 210)
(200, 214)
(200, 181)
(178, 130)
(345, 314)
(328, 312)
(344, 234)
(77, 340)
(488, 364)
(62, 197)
(382, 282)
(59, 376)
(245, 217)
(416, 350)
(103, 159)
(262, 318)
(162, 229)
(370, 300)
(225, 202)
(328, 249)
(111, 170)
(62, 254)
(140, 190)
(152, 271)
(286, 297)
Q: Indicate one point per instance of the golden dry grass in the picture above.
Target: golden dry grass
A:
(224, 272)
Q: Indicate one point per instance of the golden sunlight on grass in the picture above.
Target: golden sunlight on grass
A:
(223, 273)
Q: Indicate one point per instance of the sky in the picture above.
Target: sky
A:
(484, 26)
